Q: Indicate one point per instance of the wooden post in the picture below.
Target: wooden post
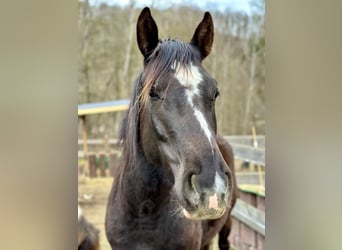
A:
(247, 237)
(248, 197)
(102, 165)
(255, 144)
(234, 236)
(92, 166)
(112, 163)
(260, 242)
(106, 144)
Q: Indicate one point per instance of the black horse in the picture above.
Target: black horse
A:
(88, 235)
(175, 186)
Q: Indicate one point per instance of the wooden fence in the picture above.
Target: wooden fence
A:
(248, 231)
(100, 164)
(242, 146)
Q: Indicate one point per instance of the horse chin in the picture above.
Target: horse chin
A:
(207, 214)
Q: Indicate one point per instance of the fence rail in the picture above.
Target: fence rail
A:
(246, 140)
(250, 215)
(249, 153)
(233, 139)
(242, 146)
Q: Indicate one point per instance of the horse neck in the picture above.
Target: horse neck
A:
(144, 183)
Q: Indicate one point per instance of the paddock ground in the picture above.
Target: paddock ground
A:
(93, 194)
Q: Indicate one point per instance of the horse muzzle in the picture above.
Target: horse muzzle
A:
(207, 203)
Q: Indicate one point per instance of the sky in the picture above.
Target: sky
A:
(220, 5)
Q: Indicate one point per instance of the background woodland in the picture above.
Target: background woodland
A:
(109, 61)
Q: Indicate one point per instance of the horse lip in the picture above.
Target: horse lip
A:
(197, 212)
(192, 203)
(186, 214)
(210, 214)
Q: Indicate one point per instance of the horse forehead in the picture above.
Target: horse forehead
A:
(189, 76)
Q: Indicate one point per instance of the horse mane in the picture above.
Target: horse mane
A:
(161, 61)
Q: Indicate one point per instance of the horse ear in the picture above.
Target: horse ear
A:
(204, 35)
(147, 32)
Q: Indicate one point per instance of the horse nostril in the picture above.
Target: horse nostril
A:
(228, 174)
(223, 196)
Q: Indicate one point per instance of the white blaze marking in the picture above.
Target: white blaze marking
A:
(204, 124)
(191, 78)
(219, 184)
(219, 188)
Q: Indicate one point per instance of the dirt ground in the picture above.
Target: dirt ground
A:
(93, 194)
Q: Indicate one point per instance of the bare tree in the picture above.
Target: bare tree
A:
(110, 61)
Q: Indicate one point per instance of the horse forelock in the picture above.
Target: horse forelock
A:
(169, 52)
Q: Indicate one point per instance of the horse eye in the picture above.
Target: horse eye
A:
(153, 93)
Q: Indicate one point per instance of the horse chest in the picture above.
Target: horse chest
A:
(153, 232)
